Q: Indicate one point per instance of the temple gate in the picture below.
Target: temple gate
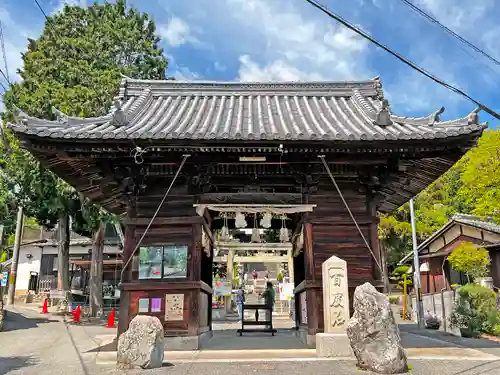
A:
(244, 144)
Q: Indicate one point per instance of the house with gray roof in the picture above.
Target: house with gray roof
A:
(435, 270)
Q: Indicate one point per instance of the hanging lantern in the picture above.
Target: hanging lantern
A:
(225, 236)
(265, 222)
(240, 221)
(284, 231)
(255, 231)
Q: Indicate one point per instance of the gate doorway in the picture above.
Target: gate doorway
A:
(254, 244)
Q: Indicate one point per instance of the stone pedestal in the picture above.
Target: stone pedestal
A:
(333, 345)
(334, 342)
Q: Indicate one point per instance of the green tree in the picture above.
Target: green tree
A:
(480, 177)
(471, 259)
(471, 186)
(75, 66)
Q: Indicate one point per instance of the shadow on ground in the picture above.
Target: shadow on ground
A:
(15, 321)
(8, 364)
(230, 340)
(452, 340)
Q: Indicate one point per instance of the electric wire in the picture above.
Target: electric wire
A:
(2, 42)
(403, 59)
(449, 31)
(41, 9)
(466, 50)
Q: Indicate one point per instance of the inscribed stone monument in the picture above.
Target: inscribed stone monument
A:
(334, 342)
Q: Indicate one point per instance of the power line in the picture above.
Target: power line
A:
(41, 9)
(449, 31)
(2, 42)
(414, 66)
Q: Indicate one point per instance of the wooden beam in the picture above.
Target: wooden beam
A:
(144, 221)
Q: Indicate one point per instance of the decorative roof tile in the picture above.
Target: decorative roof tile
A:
(340, 111)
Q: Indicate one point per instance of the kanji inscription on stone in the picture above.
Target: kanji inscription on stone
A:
(335, 295)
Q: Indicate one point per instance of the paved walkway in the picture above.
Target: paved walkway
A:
(40, 344)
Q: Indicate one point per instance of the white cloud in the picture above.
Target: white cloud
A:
(177, 32)
(185, 74)
(458, 15)
(413, 92)
(219, 67)
(15, 41)
(291, 45)
(181, 73)
(277, 70)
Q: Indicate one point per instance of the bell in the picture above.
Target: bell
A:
(225, 234)
(256, 235)
(284, 235)
(240, 221)
(265, 222)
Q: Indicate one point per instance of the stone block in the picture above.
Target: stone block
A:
(141, 346)
(333, 345)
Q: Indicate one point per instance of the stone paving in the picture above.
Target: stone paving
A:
(42, 344)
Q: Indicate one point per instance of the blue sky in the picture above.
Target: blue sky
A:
(289, 40)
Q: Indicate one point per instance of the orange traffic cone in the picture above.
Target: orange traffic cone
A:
(111, 319)
(45, 307)
(76, 315)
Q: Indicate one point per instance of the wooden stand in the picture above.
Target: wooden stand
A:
(268, 324)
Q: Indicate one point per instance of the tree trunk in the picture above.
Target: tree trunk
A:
(96, 302)
(63, 233)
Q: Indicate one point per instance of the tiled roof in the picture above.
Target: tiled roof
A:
(340, 111)
(471, 220)
(477, 222)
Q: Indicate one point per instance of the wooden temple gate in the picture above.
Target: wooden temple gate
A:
(249, 143)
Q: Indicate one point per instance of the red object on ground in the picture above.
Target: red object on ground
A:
(111, 319)
(45, 307)
(76, 314)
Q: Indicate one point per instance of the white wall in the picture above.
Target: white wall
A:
(25, 265)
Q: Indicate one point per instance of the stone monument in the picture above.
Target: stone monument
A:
(334, 341)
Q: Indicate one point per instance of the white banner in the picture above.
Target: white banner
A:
(286, 291)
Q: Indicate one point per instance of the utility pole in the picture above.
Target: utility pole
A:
(15, 256)
(416, 269)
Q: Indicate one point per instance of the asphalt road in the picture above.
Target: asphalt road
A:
(35, 344)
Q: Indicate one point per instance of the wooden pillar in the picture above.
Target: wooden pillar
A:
(128, 247)
(373, 239)
(290, 265)
(229, 276)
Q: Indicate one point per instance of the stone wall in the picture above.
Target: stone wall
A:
(439, 304)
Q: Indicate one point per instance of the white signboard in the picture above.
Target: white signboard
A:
(286, 291)
(222, 288)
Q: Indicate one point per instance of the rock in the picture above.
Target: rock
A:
(142, 344)
(63, 306)
(374, 334)
(431, 320)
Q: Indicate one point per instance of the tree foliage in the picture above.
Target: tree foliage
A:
(471, 186)
(471, 259)
(75, 65)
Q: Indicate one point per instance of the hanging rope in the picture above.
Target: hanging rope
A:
(350, 213)
(184, 158)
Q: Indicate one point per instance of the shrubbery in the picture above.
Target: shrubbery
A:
(475, 311)
(394, 300)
